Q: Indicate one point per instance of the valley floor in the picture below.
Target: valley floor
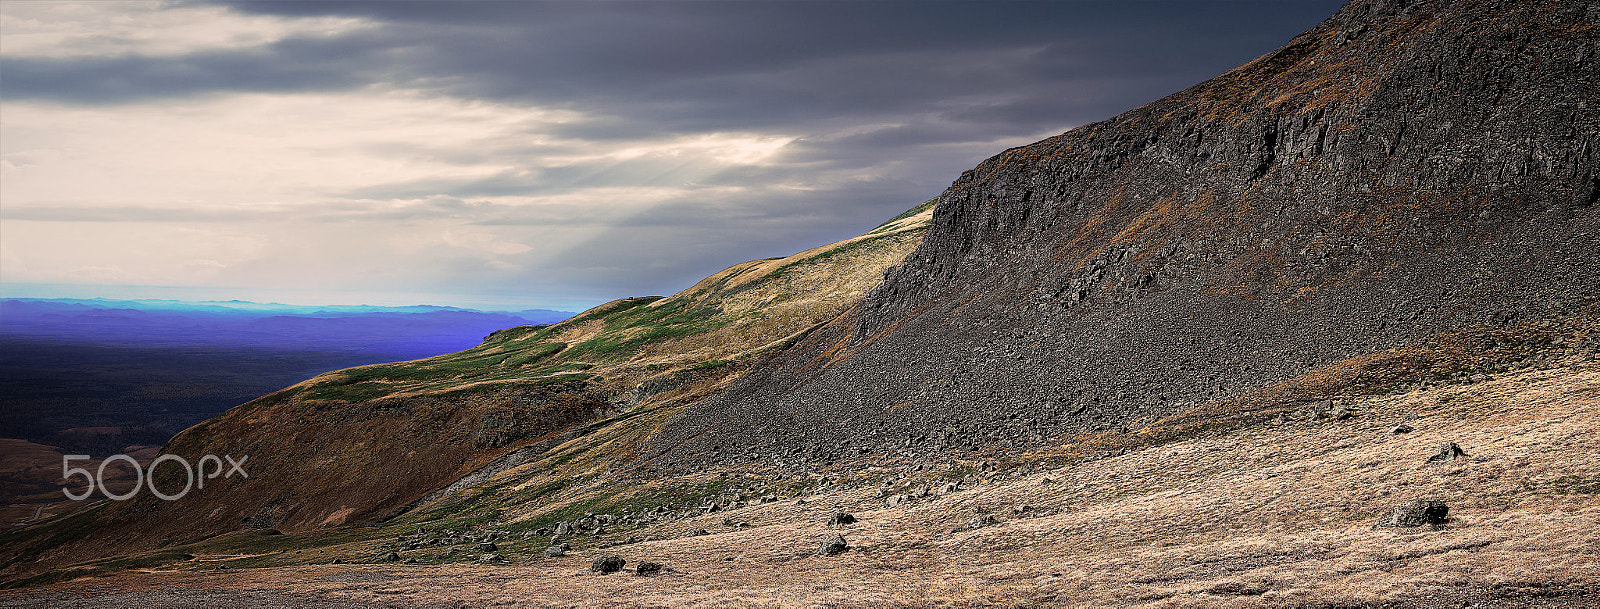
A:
(1279, 514)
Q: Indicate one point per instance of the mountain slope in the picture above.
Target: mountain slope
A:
(368, 443)
(1401, 170)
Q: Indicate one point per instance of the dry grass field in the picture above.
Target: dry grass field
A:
(1276, 514)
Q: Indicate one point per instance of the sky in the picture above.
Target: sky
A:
(515, 155)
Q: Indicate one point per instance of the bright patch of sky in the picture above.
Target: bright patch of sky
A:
(522, 155)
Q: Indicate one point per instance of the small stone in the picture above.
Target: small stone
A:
(487, 546)
(607, 564)
(1448, 452)
(832, 544)
(647, 568)
(1400, 429)
(1416, 513)
(841, 518)
(491, 558)
(336, 561)
(698, 532)
(980, 522)
(390, 557)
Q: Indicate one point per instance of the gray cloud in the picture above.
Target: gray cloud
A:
(885, 103)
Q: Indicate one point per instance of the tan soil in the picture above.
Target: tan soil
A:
(1275, 515)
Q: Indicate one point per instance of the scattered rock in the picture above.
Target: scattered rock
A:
(336, 561)
(1400, 429)
(698, 532)
(647, 568)
(487, 546)
(556, 551)
(1447, 453)
(607, 564)
(491, 558)
(390, 557)
(832, 544)
(1416, 513)
(979, 522)
(841, 518)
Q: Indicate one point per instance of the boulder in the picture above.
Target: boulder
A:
(1448, 452)
(832, 544)
(841, 518)
(1416, 513)
(607, 564)
(647, 568)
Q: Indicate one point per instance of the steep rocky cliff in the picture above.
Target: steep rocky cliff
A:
(1404, 169)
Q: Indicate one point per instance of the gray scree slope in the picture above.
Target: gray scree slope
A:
(1402, 169)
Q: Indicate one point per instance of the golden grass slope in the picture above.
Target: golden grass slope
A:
(1274, 515)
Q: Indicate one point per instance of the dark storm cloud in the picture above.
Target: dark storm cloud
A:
(676, 67)
(882, 105)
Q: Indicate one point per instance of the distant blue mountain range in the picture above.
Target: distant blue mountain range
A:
(95, 376)
(414, 331)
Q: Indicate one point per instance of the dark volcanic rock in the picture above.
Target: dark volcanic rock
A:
(841, 518)
(647, 568)
(1416, 513)
(607, 564)
(1447, 453)
(1401, 170)
(832, 544)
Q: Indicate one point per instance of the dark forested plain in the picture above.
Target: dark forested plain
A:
(96, 377)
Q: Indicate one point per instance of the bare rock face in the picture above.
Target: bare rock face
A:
(1401, 170)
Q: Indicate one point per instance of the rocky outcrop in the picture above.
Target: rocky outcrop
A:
(1404, 169)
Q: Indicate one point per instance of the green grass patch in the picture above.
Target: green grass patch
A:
(711, 365)
(924, 206)
(779, 272)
